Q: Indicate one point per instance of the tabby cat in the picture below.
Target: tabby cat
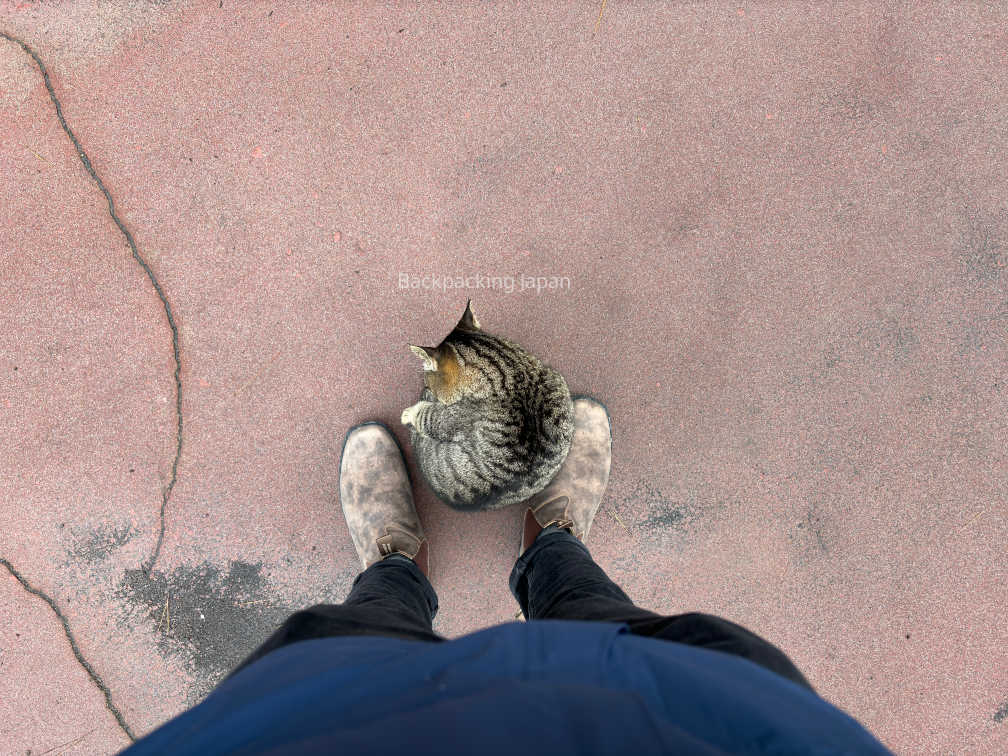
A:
(494, 423)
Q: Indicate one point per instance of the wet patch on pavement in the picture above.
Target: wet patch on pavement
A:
(979, 330)
(812, 532)
(984, 245)
(1002, 713)
(99, 544)
(208, 616)
(649, 510)
(656, 511)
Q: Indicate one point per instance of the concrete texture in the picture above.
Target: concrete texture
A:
(785, 229)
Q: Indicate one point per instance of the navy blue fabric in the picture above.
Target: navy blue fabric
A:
(546, 686)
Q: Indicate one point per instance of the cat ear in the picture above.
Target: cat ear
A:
(469, 319)
(428, 355)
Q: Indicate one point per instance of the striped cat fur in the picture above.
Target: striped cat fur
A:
(493, 424)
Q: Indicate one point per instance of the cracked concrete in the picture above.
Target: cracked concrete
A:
(86, 161)
(73, 646)
(786, 238)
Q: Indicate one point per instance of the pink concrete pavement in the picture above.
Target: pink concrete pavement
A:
(786, 234)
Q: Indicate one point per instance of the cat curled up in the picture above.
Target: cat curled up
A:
(493, 425)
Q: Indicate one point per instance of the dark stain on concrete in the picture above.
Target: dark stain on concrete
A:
(844, 212)
(970, 339)
(661, 512)
(890, 336)
(849, 103)
(897, 341)
(101, 542)
(887, 74)
(665, 515)
(975, 333)
(984, 246)
(217, 617)
(1002, 713)
(812, 530)
(824, 369)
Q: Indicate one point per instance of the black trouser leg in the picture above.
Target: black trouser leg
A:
(556, 578)
(391, 597)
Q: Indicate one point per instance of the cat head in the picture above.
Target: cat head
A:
(445, 372)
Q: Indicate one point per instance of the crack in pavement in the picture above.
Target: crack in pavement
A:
(73, 646)
(166, 491)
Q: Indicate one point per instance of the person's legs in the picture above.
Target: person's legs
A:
(392, 596)
(555, 576)
(395, 596)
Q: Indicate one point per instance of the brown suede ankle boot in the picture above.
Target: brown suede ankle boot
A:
(573, 496)
(377, 498)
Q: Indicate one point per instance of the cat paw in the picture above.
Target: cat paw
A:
(409, 414)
